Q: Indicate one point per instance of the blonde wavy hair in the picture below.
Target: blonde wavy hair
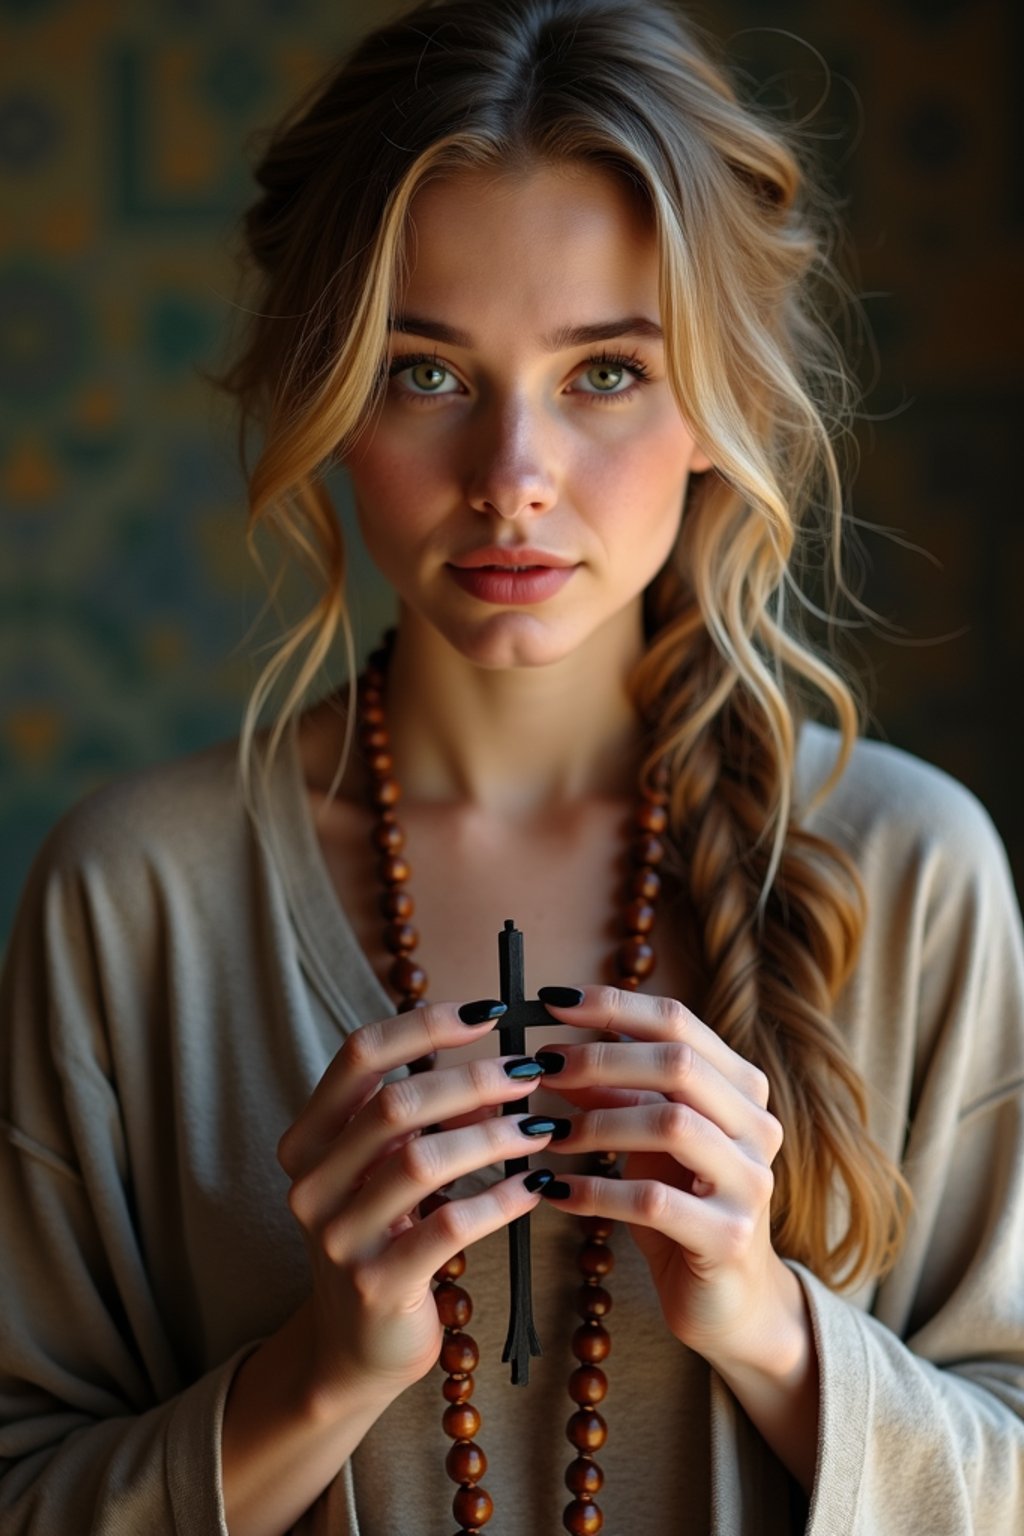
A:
(772, 916)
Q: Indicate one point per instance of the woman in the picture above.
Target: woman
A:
(532, 274)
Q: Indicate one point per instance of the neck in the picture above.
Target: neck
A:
(516, 741)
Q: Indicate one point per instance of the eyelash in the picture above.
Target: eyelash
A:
(630, 361)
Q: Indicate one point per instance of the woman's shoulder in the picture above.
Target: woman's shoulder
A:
(181, 811)
(887, 795)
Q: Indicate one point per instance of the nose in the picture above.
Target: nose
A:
(512, 472)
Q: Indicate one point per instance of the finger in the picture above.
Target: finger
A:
(357, 1069)
(393, 1119)
(422, 1167)
(697, 1224)
(674, 1069)
(697, 1145)
(663, 1018)
(428, 1244)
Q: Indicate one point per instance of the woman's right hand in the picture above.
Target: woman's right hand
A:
(362, 1157)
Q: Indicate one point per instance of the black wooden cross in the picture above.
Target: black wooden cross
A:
(522, 1341)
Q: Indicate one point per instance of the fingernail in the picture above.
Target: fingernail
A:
(546, 1125)
(555, 1189)
(486, 1008)
(538, 1178)
(561, 997)
(523, 1068)
(550, 1062)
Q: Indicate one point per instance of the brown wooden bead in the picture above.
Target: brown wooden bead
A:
(472, 1507)
(584, 1476)
(459, 1356)
(461, 1421)
(389, 837)
(629, 983)
(389, 792)
(646, 883)
(454, 1306)
(596, 1259)
(380, 764)
(452, 1268)
(647, 849)
(465, 1462)
(397, 905)
(374, 738)
(406, 976)
(652, 818)
(394, 869)
(635, 957)
(600, 1227)
(458, 1389)
(588, 1384)
(582, 1518)
(372, 711)
(593, 1301)
(590, 1343)
(400, 938)
(638, 916)
(587, 1430)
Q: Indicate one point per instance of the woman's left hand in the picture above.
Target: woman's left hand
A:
(692, 1118)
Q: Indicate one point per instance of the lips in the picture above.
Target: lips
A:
(511, 577)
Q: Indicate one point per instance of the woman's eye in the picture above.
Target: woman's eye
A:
(423, 376)
(604, 378)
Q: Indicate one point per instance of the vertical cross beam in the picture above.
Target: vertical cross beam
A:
(522, 1340)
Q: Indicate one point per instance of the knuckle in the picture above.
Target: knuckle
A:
(737, 1232)
(287, 1151)
(359, 1052)
(671, 1015)
(394, 1104)
(680, 1066)
(419, 1161)
(651, 1200)
(675, 1122)
(302, 1202)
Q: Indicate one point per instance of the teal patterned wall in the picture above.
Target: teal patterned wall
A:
(125, 589)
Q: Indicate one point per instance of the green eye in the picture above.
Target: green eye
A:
(428, 377)
(605, 378)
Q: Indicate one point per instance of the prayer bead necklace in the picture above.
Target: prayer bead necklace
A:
(633, 960)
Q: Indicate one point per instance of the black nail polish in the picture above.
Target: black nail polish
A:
(550, 1062)
(486, 1008)
(523, 1069)
(538, 1178)
(561, 997)
(555, 1189)
(546, 1125)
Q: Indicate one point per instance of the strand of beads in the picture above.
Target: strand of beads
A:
(405, 975)
(465, 1463)
(634, 958)
(588, 1384)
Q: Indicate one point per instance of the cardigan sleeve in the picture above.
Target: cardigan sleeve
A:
(99, 1428)
(922, 1394)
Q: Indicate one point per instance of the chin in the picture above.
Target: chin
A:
(505, 640)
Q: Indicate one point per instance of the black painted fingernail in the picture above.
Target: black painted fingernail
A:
(561, 997)
(538, 1178)
(523, 1068)
(556, 1189)
(546, 1125)
(550, 1062)
(486, 1008)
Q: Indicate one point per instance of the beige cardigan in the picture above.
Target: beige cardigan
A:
(171, 994)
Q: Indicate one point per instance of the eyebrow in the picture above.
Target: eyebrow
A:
(558, 341)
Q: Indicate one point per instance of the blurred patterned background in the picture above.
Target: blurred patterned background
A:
(125, 589)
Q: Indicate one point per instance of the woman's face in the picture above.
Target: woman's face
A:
(525, 479)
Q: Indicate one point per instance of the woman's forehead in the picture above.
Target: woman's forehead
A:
(555, 245)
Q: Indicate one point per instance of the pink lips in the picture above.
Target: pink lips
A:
(511, 576)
